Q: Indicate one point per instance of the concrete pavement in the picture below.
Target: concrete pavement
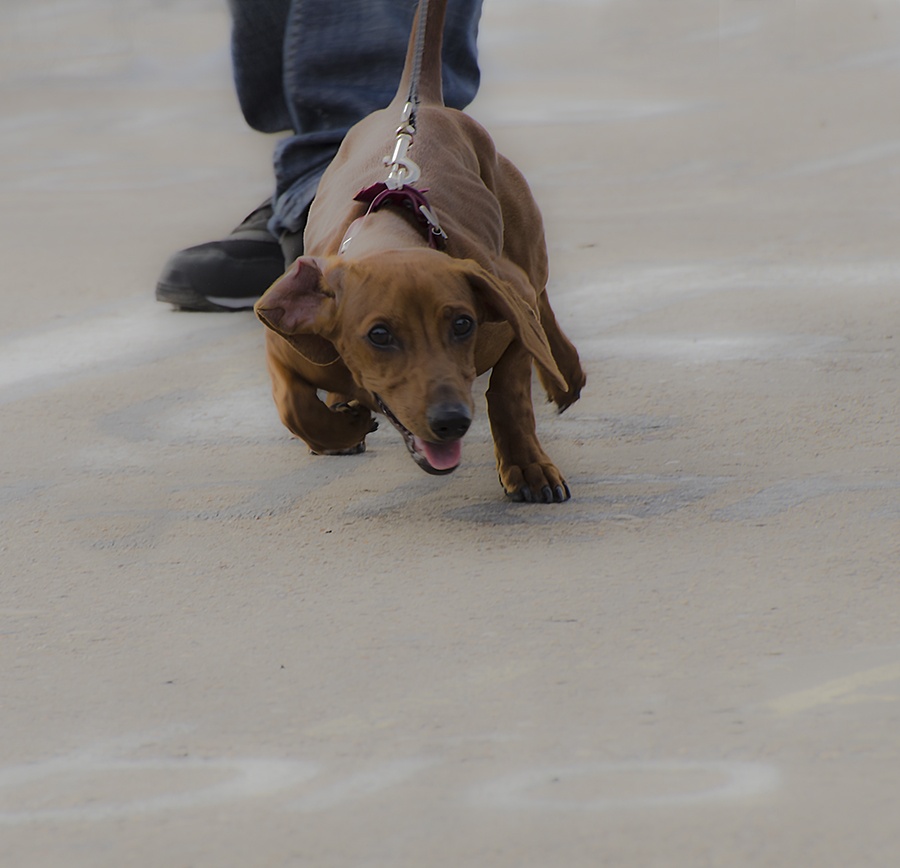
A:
(220, 651)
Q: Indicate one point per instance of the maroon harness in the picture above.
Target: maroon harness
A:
(410, 201)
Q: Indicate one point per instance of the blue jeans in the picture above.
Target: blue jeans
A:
(316, 67)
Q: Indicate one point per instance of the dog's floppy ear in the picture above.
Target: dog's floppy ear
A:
(299, 306)
(502, 302)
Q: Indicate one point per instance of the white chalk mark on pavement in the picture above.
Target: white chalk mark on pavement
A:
(86, 343)
(362, 784)
(71, 789)
(90, 787)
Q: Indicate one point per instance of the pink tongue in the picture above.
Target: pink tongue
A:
(441, 456)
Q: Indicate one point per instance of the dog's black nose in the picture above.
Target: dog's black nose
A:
(449, 421)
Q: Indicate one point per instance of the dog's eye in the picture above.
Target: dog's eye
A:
(381, 337)
(463, 326)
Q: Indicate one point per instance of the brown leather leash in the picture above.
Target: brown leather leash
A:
(397, 189)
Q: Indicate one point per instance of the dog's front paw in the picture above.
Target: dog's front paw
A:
(353, 450)
(539, 482)
(356, 414)
(348, 424)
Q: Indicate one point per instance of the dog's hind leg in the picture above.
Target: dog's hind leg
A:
(566, 357)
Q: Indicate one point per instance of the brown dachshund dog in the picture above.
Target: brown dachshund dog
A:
(381, 320)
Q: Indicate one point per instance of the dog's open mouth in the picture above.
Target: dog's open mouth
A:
(437, 458)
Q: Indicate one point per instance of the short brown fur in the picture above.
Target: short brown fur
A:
(493, 270)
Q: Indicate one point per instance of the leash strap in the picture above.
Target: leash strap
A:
(419, 51)
(397, 189)
(401, 170)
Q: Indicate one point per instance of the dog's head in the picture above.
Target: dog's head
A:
(406, 325)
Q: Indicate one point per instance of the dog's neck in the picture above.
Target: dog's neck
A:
(386, 230)
(404, 200)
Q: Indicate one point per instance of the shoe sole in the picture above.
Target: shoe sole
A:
(185, 298)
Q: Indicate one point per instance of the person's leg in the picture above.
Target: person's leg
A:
(257, 60)
(315, 67)
(342, 62)
(230, 274)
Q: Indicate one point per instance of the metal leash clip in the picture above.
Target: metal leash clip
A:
(434, 225)
(402, 169)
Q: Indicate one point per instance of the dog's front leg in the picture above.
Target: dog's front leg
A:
(526, 472)
(338, 430)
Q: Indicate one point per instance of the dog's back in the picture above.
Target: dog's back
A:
(482, 200)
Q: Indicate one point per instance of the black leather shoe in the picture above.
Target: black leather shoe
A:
(225, 275)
